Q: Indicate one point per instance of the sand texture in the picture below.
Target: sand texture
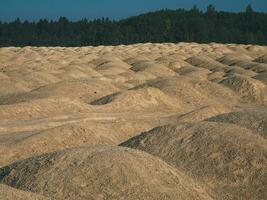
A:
(167, 121)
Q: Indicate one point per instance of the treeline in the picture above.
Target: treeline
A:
(247, 27)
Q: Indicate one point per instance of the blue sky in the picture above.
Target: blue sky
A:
(115, 9)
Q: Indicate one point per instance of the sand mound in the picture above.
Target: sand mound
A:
(9, 193)
(237, 59)
(31, 139)
(205, 62)
(261, 77)
(256, 67)
(110, 68)
(187, 70)
(228, 159)
(101, 172)
(157, 70)
(198, 115)
(12, 86)
(194, 94)
(250, 90)
(173, 61)
(239, 71)
(91, 88)
(38, 108)
(139, 99)
(194, 72)
(262, 59)
(26, 144)
(56, 98)
(256, 120)
(38, 79)
(77, 72)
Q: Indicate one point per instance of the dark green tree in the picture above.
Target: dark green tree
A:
(249, 9)
(160, 26)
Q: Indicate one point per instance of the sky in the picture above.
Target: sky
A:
(33, 10)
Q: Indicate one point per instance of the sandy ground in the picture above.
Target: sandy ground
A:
(199, 110)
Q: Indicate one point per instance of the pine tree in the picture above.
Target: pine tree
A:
(249, 9)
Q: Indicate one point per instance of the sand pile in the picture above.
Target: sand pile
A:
(37, 108)
(237, 59)
(262, 77)
(250, 90)
(194, 94)
(228, 159)
(205, 62)
(26, 141)
(255, 119)
(230, 71)
(201, 107)
(101, 172)
(139, 99)
(262, 59)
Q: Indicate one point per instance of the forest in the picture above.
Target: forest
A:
(194, 25)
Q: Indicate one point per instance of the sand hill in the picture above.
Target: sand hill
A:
(198, 109)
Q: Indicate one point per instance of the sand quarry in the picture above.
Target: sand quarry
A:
(180, 121)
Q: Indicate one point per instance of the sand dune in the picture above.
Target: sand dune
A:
(201, 109)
